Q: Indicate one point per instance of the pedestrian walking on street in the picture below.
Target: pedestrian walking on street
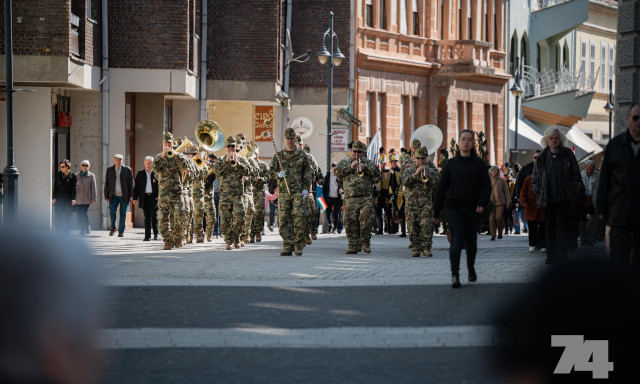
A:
(618, 192)
(145, 192)
(86, 195)
(500, 199)
(463, 192)
(118, 189)
(557, 185)
(589, 226)
(534, 216)
(65, 187)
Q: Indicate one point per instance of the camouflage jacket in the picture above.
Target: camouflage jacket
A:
(263, 176)
(189, 178)
(198, 183)
(416, 191)
(314, 171)
(168, 171)
(405, 159)
(296, 165)
(230, 178)
(353, 184)
(255, 171)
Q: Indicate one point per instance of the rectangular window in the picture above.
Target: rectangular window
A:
(89, 13)
(368, 115)
(469, 116)
(459, 120)
(583, 60)
(494, 130)
(592, 62)
(379, 114)
(611, 58)
(382, 11)
(412, 122)
(486, 22)
(403, 17)
(416, 17)
(604, 136)
(460, 20)
(441, 19)
(403, 111)
(469, 23)
(603, 66)
(369, 13)
(495, 26)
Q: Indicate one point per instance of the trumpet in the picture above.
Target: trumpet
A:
(424, 176)
(360, 172)
(170, 153)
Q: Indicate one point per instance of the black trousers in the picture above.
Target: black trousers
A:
(62, 219)
(464, 231)
(624, 246)
(537, 234)
(559, 231)
(82, 212)
(333, 211)
(150, 209)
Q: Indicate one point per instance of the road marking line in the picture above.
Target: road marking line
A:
(264, 337)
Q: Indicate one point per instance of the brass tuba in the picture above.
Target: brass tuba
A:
(249, 150)
(185, 143)
(209, 135)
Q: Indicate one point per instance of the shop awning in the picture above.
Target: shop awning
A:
(583, 146)
(528, 135)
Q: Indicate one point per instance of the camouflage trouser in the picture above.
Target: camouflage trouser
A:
(291, 219)
(247, 199)
(188, 215)
(170, 216)
(312, 207)
(232, 214)
(198, 216)
(210, 210)
(358, 219)
(421, 233)
(257, 225)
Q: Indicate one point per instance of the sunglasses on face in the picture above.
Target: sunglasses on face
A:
(635, 117)
(84, 165)
(231, 146)
(357, 151)
(63, 166)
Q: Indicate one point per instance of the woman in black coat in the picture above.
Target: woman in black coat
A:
(463, 191)
(64, 196)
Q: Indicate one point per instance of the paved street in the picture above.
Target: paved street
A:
(201, 314)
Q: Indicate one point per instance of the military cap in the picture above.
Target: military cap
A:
(358, 146)
(415, 144)
(289, 133)
(298, 139)
(393, 157)
(383, 158)
(240, 137)
(167, 137)
(230, 141)
(421, 153)
(193, 149)
(307, 148)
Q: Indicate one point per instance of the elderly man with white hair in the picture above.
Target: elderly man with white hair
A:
(145, 192)
(589, 227)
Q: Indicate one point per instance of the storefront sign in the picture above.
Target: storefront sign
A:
(303, 127)
(260, 114)
(339, 139)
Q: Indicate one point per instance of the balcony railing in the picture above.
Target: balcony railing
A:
(548, 82)
(413, 47)
(476, 52)
(542, 4)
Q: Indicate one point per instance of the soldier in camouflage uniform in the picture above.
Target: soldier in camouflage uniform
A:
(188, 195)
(231, 178)
(199, 178)
(209, 201)
(420, 192)
(382, 200)
(168, 171)
(397, 193)
(294, 179)
(259, 183)
(313, 207)
(312, 211)
(415, 146)
(358, 214)
(247, 197)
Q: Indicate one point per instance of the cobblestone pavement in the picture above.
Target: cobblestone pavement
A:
(202, 314)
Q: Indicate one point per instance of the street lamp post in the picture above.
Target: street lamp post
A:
(336, 59)
(610, 106)
(10, 208)
(516, 91)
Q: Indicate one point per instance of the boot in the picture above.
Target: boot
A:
(351, 251)
(258, 238)
(208, 238)
(403, 228)
(366, 248)
(241, 243)
(236, 245)
(380, 231)
(167, 245)
(286, 251)
(179, 243)
(314, 236)
(307, 240)
(228, 247)
(427, 253)
(415, 253)
(298, 249)
(247, 239)
(200, 239)
(252, 239)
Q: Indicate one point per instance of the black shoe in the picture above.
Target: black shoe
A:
(113, 230)
(146, 239)
(339, 230)
(525, 230)
(155, 237)
(516, 232)
(403, 235)
(472, 275)
(455, 282)
(120, 234)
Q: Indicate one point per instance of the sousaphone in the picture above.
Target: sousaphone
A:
(209, 135)
(430, 136)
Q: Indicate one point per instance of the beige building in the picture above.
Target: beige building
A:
(595, 55)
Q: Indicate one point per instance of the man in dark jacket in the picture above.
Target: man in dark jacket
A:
(332, 193)
(618, 191)
(557, 184)
(118, 189)
(145, 191)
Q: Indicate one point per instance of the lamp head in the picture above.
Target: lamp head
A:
(323, 55)
(337, 57)
(516, 91)
(609, 107)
